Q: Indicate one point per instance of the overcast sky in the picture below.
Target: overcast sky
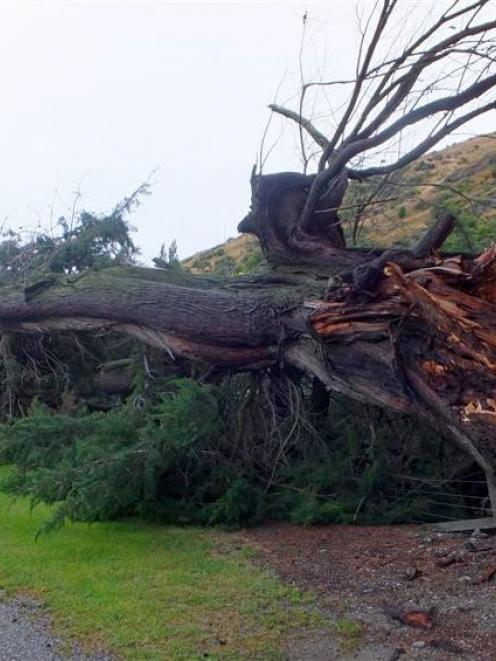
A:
(96, 96)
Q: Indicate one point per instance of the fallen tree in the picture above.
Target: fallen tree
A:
(412, 330)
(411, 333)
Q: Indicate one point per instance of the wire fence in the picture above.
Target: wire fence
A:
(450, 499)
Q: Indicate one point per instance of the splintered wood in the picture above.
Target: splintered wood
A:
(439, 323)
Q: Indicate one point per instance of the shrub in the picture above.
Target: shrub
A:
(424, 165)
(249, 263)
(227, 454)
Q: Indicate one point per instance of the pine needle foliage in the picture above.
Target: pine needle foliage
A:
(229, 454)
(99, 466)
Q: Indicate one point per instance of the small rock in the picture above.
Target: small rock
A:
(412, 573)
(465, 608)
(418, 644)
(450, 559)
(29, 603)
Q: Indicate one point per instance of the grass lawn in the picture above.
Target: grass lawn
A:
(148, 591)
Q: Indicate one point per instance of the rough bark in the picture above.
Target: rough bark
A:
(183, 314)
(409, 331)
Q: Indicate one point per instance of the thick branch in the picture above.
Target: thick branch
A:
(355, 148)
(436, 236)
(146, 301)
(446, 103)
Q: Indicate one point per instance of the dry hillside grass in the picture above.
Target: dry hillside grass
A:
(461, 177)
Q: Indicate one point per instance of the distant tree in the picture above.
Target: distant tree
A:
(168, 258)
(173, 257)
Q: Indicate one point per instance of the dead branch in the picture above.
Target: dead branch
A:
(455, 45)
(319, 137)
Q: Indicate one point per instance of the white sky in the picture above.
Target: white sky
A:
(95, 96)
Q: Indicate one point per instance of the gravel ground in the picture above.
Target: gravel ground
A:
(25, 636)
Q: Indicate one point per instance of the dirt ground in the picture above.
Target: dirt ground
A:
(414, 593)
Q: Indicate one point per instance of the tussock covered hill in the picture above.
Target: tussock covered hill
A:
(461, 178)
(238, 255)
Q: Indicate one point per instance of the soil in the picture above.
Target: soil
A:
(380, 578)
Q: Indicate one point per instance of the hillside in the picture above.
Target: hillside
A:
(236, 255)
(461, 177)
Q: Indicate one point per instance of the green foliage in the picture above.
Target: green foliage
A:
(49, 367)
(249, 263)
(359, 475)
(241, 502)
(228, 455)
(85, 240)
(225, 266)
(473, 232)
(202, 262)
(168, 258)
(424, 165)
(94, 242)
(402, 212)
(99, 466)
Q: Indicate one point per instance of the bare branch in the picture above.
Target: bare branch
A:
(385, 14)
(404, 83)
(424, 146)
(355, 148)
(319, 137)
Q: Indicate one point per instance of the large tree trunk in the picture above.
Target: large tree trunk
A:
(409, 331)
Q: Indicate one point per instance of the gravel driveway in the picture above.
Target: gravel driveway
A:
(25, 636)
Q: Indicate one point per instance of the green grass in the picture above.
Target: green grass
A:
(148, 591)
(349, 634)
